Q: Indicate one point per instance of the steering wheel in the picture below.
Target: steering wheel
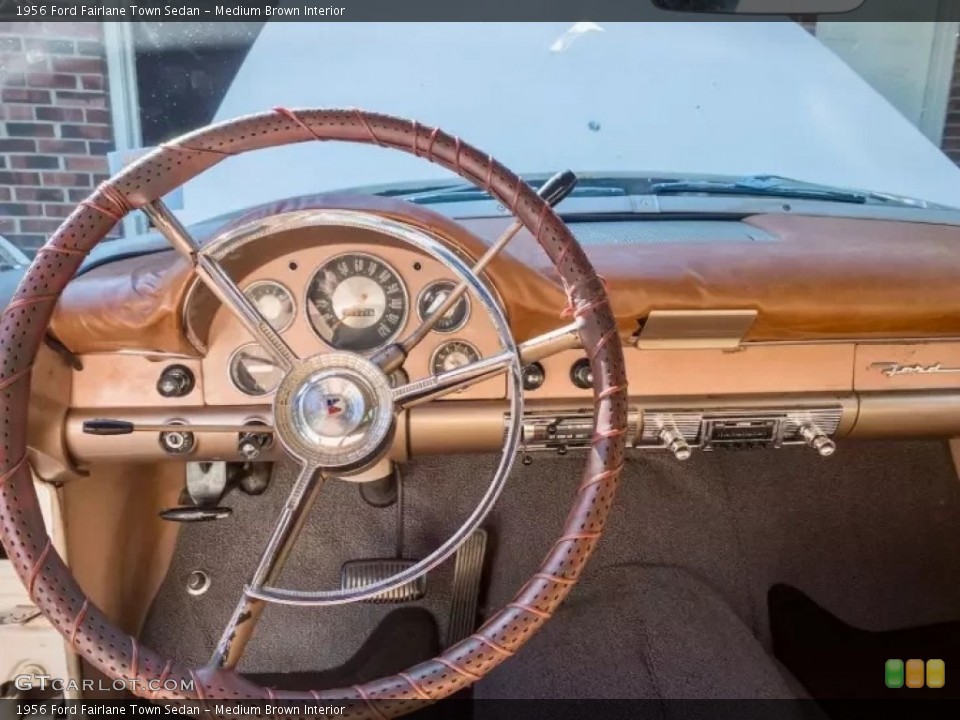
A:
(49, 582)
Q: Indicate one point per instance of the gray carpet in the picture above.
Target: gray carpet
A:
(869, 534)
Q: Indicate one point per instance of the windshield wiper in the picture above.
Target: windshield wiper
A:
(465, 193)
(767, 186)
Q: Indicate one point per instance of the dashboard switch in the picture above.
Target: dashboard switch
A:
(581, 375)
(818, 440)
(252, 444)
(177, 442)
(674, 442)
(175, 381)
(533, 376)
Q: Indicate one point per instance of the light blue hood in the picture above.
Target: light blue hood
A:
(721, 98)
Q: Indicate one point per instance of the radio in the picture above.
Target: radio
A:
(679, 430)
(566, 431)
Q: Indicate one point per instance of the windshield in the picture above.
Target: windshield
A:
(857, 113)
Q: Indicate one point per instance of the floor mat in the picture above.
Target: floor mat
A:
(869, 534)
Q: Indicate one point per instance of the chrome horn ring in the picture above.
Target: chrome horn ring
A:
(295, 393)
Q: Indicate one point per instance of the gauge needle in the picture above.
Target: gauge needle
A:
(262, 366)
(326, 329)
(437, 302)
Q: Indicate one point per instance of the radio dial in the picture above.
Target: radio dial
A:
(675, 443)
(818, 440)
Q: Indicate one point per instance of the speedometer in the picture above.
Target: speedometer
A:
(356, 302)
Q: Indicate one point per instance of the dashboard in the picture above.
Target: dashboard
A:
(332, 292)
(804, 339)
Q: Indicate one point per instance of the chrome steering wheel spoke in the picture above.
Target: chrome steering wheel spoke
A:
(437, 386)
(304, 416)
(247, 613)
(211, 273)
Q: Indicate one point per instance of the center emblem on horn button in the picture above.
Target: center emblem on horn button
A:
(335, 411)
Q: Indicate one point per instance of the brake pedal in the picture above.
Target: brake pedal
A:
(356, 574)
(465, 595)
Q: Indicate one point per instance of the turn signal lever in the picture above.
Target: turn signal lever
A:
(179, 438)
(104, 426)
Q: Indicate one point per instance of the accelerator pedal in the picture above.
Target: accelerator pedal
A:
(465, 596)
(355, 574)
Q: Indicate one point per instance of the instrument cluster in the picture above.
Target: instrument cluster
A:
(356, 300)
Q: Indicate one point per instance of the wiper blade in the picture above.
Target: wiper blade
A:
(466, 193)
(764, 185)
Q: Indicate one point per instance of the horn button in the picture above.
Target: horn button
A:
(335, 411)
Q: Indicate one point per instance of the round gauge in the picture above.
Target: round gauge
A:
(356, 302)
(433, 296)
(452, 355)
(254, 371)
(274, 302)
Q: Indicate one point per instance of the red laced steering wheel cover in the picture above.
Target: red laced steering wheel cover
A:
(49, 582)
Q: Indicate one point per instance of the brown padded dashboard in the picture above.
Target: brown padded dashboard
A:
(820, 279)
(839, 302)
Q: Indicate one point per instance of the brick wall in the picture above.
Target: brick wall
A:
(55, 128)
(951, 127)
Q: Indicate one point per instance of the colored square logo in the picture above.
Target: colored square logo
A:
(916, 669)
(893, 673)
(936, 673)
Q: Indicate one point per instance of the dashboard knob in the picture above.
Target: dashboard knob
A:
(581, 375)
(251, 445)
(533, 376)
(818, 440)
(675, 443)
(177, 442)
(175, 381)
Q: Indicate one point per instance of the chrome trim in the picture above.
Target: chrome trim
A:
(218, 281)
(293, 517)
(697, 425)
(360, 253)
(436, 386)
(893, 369)
(223, 245)
(256, 591)
(305, 443)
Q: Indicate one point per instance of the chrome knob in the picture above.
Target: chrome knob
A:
(250, 447)
(252, 444)
(177, 442)
(176, 381)
(818, 440)
(674, 442)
